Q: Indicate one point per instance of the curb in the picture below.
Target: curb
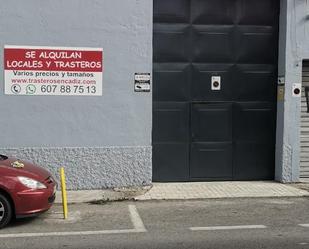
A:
(102, 196)
(146, 194)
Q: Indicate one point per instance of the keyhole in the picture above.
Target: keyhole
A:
(296, 91)
(215, 83)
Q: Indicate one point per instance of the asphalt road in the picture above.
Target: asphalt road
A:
(230, 223)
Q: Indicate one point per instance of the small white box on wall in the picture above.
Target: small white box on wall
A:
(296, 90)
(216, 83)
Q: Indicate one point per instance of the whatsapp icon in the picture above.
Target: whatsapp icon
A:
(30, 89)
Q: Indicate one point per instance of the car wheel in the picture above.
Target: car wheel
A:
(5, 211)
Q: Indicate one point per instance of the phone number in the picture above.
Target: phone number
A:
(68, 89)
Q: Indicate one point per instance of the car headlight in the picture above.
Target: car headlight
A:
(30, 183)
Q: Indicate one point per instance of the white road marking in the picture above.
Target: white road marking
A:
(50, 234)
(214, 228)
(135, 218)
(304, 225)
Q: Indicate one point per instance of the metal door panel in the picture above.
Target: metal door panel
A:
(171, 162)
(172, 82)
(254, 122)
(213, 12)
(213, 44)
(259, 13)
(211, 147)
(171, 43)
(211, 161)
(254, 161)
(254, 82)
(211, 122)
(166, 11)
(171, 122)
(255, 45)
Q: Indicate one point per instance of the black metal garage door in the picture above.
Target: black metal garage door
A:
(214, 97)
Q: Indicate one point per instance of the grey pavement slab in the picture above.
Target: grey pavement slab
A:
(206, 190)
(191, 190)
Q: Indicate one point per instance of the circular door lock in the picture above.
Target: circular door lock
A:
(215, 84)
(296, 91)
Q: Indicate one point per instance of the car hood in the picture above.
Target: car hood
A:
(28, 170)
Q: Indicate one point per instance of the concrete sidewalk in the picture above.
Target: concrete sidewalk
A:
(191, 190)
(213, 190)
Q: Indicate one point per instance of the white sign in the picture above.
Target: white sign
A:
(296, 90)
(142, 82)
(215, 83)
(30, 70)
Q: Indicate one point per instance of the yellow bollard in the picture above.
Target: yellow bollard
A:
(64, 194)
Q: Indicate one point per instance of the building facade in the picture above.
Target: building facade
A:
(190, 90)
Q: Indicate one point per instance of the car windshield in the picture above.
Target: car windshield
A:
(2, 157)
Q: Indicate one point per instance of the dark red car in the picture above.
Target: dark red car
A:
(25, 189)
